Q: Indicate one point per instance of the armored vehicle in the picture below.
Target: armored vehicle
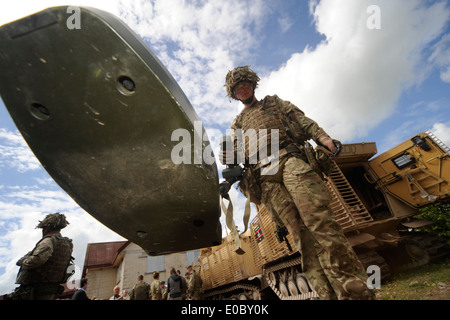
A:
(374, 200)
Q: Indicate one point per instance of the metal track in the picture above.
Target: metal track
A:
(281, 266)
(371, 257)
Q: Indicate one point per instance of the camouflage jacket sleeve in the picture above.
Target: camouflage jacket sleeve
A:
(38, 256)
(308, 127)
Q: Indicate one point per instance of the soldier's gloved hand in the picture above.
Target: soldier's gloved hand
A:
(338, 146)
(333, 145)
(224, 187)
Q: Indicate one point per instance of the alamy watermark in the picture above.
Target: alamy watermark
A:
(374, 279)
(74, 20)
(192, 149)
(373, 22)
(74, 280)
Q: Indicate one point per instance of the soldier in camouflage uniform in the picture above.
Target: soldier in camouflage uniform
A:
(194, 290)
(155, 288)
(294, 195)
(43, 269)
(141, 290)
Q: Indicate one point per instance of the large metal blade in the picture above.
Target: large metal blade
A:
(98, 109)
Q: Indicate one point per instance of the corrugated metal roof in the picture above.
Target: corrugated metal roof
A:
(103, 254)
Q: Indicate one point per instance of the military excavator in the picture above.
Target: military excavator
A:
(375, 200)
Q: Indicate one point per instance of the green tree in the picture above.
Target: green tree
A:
(438, 213)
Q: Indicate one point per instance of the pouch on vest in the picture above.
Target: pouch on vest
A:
(319, 159)
(250, 187)
(323, 157)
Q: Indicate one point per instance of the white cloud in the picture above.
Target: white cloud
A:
(205, 41)
(441, 57)
(414, 121)
(15, 153)
(442, 132)
(352, 81)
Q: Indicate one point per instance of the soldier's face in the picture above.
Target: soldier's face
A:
(243, 90)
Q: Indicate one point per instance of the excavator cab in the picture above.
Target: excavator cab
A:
(416, 172)
(99, 110)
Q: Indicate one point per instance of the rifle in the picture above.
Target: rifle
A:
(232, 173)
(281, 234)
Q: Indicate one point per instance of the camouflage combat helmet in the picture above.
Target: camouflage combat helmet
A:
(237, 75)
(54, 221)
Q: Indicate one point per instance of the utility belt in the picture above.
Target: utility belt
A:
(292, 148)
(269, 169)
(272, 171)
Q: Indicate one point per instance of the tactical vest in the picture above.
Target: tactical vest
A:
(55, 268)
(258, 123)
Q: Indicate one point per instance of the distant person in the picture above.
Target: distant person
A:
(194, 291)
(155, 288)
(43, 269)
(125, 295)
(116, 295)
(80, 294)
(141, 290)
(174, 285)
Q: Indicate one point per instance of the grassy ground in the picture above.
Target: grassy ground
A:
(429, 282)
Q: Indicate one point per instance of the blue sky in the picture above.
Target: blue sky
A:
(359, 83)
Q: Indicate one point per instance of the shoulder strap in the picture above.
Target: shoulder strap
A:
(269, 101)
(228, 211)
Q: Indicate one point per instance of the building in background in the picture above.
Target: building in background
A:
(109, 264)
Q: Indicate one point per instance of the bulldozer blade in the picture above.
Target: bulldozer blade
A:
(98, 109)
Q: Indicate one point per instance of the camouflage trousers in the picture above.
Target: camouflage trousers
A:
(300, 203)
